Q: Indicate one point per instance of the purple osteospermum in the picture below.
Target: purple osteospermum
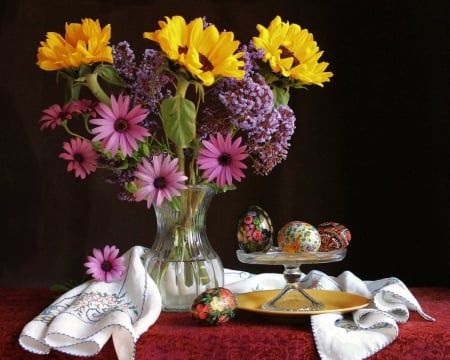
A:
(119, 128)
(55, 114)
(158, 180)
(85, 106)
(222, 159)
(106, 265)
(81, 156)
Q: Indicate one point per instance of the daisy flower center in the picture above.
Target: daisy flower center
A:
(106, 266)
(78, 157)
(286, 53)
(160, 182)
(224, 159)
(121, 125)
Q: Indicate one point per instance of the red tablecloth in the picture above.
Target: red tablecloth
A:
(249, 336)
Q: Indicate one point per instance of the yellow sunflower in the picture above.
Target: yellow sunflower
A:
(84, 43)
(204, 52)
(292, 52)
(172, 37)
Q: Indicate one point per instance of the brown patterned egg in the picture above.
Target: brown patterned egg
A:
(333, 236)
(214, 306)
(298, 236)
(254, 230)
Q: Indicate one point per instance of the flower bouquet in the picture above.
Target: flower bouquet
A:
(195, 110)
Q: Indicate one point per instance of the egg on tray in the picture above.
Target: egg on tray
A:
(254, 230)
(333, 236)
(298, 236)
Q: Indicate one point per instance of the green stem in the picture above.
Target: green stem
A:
(181, 158)
(70, 132)
(182, 86)
(97, 91)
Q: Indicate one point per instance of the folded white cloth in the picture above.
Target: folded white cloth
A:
(358, 335)
(83, 319)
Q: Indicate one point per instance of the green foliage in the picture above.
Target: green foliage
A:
(178, 118)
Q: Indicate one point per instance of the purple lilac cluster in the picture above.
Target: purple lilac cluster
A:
(144, 82)
(248, 106)
(278, 129)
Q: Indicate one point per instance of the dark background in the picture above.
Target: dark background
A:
(370, 149)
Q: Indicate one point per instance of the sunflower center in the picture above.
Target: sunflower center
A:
(286, 53)
(106, 266)
(121, 125)
(224, 159)
(206, 64)
(182, 49)
(160, 182)
(78, 157)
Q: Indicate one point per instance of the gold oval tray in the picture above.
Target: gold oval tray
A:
(333, 301)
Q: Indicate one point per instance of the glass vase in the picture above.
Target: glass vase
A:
(181, 260)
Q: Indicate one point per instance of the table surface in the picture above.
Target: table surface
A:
(177, 336)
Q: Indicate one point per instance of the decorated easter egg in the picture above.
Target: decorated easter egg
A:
(214, 306)
(298, 236)
(254, 230)
(333, 236)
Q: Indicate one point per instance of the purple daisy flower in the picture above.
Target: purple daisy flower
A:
(119, 128)
(158, 180)
(222, 159)
(55, 114)
(81, 156)
(105, 265)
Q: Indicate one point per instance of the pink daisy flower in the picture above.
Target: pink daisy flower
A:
(158, 180)
(81, 156)
(119, 128)
(105, 265)
(55, 114)
(222, 159)
(85, 106)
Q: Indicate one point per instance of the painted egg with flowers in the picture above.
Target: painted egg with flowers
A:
(214, 306)
(254, 230)
(298, 236)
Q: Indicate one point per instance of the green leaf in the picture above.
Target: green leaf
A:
(131, 187)
(109, 74)
(146, 149)
(175, 203)
(85, 69)
(178, 118)
(280, 96)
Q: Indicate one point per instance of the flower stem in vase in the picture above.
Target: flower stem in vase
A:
(182, 262)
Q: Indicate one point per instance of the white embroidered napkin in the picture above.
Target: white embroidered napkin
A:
(82, 320)
(361, 333)
(366, 330)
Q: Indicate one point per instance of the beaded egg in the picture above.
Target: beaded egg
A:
(254, 230)
(214, 306)
(333, 236)
(298, 236)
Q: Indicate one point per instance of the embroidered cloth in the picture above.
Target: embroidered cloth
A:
(83, 319)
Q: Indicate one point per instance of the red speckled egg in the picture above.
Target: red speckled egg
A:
(333, 236)
(298, 236)
(214, 306)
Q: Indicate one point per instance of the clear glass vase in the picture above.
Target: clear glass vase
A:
(181, 260)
